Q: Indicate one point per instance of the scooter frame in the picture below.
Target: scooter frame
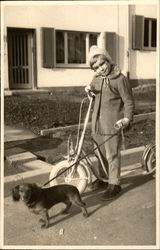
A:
(75, 164)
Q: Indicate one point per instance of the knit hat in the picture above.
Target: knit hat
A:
(94, 50)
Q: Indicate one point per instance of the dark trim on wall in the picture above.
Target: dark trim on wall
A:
(137, 82)
(76, 90)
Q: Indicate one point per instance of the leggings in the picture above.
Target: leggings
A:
(110, 152)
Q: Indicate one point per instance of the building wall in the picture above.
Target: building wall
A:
(142, 63)
(82, 17)
(123, 37)
(97, 18)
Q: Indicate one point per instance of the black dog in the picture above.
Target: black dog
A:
(39, 200)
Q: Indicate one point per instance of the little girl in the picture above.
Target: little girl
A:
(113, 104)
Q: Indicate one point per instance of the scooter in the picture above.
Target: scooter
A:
(78, 167)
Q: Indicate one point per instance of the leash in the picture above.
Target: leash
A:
(80, 159)
(117, 127)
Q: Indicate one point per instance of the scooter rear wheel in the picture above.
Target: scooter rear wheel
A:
(79, 178)
(151, 162)
(149, 159)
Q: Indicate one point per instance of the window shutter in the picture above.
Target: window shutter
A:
(110, 42)
(137, 32)
(48, 44)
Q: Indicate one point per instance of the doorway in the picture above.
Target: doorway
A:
(21, 58)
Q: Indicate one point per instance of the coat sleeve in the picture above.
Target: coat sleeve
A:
(92, 84)
(125, 91)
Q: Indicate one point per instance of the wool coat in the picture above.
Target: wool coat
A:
(113, 101)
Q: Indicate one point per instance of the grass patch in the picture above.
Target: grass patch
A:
(51, 110)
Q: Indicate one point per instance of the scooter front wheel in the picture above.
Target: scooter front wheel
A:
(79, 178)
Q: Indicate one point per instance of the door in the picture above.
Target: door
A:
(20, 58)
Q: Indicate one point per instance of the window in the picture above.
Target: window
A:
(144, 33)
(59, 47)
(153, 33)
(72, 47)
(150, 33)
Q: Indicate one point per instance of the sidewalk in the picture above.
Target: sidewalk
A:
(127, 220)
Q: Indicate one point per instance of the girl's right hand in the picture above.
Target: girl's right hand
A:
(122, 123)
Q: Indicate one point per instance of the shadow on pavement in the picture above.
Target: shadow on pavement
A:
(35, 144)
(91, 198)
(131, 181)
(46, 149)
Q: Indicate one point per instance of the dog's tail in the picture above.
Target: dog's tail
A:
(15, 193)
(83, 203)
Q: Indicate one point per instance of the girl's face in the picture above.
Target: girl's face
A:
(101, 66)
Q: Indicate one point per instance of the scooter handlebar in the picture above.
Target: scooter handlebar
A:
(91, 94)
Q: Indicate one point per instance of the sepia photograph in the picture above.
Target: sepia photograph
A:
(80, 125)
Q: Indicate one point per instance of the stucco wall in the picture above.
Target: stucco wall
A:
(123, 37)
(83, 17)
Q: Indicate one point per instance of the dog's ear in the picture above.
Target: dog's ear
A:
(36, 190)
(15, 193)
(34, 185)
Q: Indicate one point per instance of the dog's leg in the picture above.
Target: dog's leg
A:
(45, 219)
(68, 205)
(83, 208)
(79, 203)
(84, 211)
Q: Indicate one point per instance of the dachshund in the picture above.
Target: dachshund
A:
(40, 200)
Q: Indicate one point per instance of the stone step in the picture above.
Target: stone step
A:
(21, 158)
(131, 156)
(39, 171)
(52, 131)
(37, 164)
(13, 151)
(128, 156)
(42, 171)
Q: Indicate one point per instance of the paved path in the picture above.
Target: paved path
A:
(128, 220)
(17, 134)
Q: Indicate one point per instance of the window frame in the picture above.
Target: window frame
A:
(149, 47)
(73, 65)
(138, 26)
